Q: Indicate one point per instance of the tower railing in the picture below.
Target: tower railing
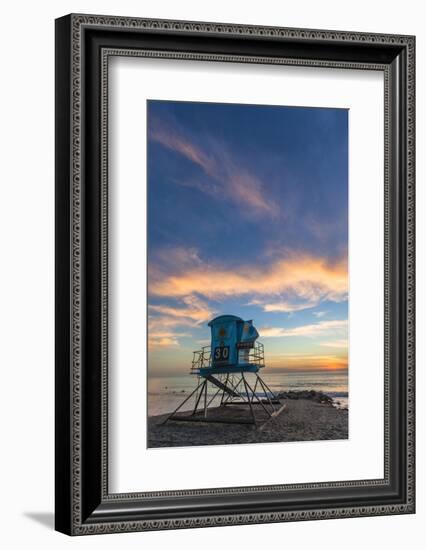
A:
(201, 358)
(255, 355)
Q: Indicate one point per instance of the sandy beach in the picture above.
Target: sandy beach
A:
(307, 416)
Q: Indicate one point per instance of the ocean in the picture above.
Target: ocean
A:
(166, 393)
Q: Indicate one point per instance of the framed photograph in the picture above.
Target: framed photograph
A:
(234, 274)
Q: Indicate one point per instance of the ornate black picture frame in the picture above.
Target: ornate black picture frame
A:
(84, 44)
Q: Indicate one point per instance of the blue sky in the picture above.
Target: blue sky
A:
(247, 214)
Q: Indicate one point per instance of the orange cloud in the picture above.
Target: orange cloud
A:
(159, 339)
(308, 277)
(163, 329)
(194, 312)
(283, 362)
(335, 344)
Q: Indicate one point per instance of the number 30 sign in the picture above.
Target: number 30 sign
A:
(221, 354)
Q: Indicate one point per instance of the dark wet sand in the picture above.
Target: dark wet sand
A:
(301, 420)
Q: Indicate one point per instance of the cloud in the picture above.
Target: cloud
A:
(323, 229)
(195, 311)
(163, 339)
(169, 256)
(335, 344)
(315, 329)
(307, 277)
(306, 362)
(168, 137)
(319, 313)
(224, 176)
(284, 306)
(164, 326)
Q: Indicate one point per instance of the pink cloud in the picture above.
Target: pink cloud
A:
(230, 179)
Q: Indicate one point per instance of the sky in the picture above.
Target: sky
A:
(248, 215)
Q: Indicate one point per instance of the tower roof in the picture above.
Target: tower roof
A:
(223, 319)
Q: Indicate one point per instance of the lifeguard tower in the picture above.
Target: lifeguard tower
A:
(228, 376)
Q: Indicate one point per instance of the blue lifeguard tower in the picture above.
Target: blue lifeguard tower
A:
(228, 374)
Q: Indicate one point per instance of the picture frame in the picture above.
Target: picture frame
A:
(83, 503)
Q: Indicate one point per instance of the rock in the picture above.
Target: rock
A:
(313, 395)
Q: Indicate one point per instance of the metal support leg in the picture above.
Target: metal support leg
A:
(254, 389)
(265, 391)
(229, 397)
(205, 400)
(223, 393)
(259, 400)
(183, 403)
(249, 400)
(199, 396)
(234, 388)
(211, 400)
(267, 387)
